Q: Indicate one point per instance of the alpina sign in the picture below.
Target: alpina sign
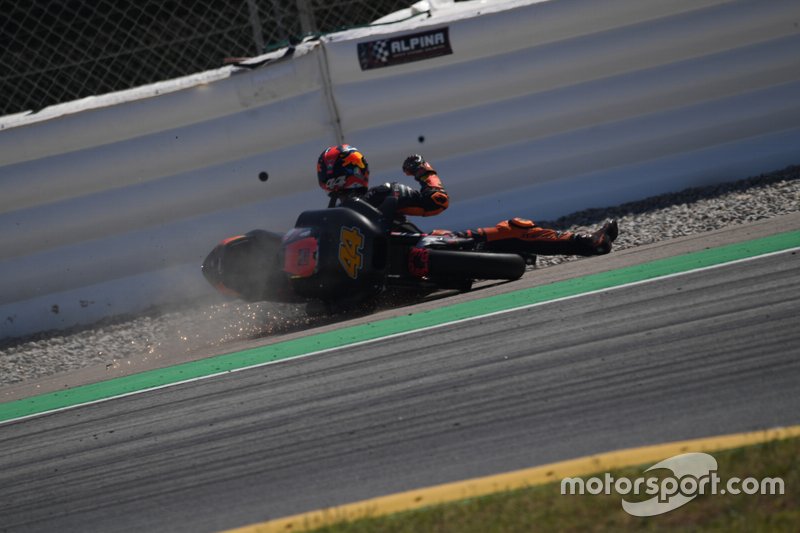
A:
(404, 49)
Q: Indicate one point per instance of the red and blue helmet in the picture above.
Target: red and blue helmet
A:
(342, 169)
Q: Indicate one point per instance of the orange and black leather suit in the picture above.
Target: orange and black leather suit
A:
(516, 235)
(519, 235)
(431, 199)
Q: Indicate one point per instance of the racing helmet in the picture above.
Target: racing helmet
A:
(342, 169)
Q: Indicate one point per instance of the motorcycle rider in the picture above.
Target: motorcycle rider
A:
(343, 172)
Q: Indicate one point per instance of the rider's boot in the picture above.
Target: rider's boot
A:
(599, 242)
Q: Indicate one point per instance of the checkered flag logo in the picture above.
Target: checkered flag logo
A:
(380, 51)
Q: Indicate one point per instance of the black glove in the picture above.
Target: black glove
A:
(415, 165)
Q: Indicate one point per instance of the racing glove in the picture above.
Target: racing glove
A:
(416, 166)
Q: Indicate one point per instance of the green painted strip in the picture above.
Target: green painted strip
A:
(382, 328)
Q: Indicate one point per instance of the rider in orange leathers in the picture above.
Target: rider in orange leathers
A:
(343, 172)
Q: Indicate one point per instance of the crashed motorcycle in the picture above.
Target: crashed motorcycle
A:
(346, 256)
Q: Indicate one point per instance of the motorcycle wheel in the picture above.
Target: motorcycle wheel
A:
(475, 265)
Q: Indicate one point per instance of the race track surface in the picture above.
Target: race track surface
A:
(706, 353)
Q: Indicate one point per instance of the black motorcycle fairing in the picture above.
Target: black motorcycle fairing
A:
(248, 267)
(352, 252)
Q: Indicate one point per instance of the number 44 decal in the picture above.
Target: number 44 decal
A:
(351, 242)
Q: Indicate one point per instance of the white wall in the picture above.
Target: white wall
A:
(110, 204)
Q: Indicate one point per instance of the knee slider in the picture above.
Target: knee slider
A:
(523, 223)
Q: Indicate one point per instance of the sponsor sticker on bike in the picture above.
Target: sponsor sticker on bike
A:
(351, 244)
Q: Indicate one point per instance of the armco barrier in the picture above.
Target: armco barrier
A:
(109, 204)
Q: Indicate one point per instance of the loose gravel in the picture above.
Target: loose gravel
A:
(158, 333)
